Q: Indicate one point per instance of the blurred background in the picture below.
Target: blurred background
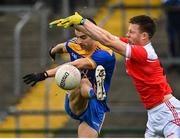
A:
(24, 42)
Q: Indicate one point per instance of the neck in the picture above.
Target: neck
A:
(145, 43)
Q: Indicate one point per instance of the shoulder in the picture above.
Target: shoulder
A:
(141, 53)
(151, 54)
(73, 40)
(103, 49)
(103, 57)
(102, 53)
(72, 44)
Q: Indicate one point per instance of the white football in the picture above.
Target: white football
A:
(68, 77)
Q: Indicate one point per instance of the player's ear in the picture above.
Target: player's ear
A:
(145, 35)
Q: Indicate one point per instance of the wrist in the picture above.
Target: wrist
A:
(46, 74)
(82, 21)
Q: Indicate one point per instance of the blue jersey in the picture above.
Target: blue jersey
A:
(100, 56)
(171, 2)
(94, 115)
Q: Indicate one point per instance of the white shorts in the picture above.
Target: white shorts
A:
(164, 120)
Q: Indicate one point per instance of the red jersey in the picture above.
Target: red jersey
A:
(143, 65)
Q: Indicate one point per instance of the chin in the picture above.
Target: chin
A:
(83, 47)
(130, 42)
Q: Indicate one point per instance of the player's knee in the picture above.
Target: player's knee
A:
(85, 131)
(85, 82)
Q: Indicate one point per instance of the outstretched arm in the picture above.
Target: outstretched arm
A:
(103, 36)
(33, 78)
(97, 33)
(82, 63)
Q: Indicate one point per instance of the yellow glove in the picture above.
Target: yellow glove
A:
(55, 23)
(75, 19)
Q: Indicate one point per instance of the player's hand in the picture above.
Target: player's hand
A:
(52, 55)
(33, 78)
(55, 23)
(75, 19)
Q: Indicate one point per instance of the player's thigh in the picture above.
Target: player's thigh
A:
(85, 131)
(172, 130)
(77, 102)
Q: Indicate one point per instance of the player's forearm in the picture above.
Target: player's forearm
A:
(59, 48)
(94, 32)
(98, 33)
(51, 72)
(83, 29)
(82, 63)
(103, 36)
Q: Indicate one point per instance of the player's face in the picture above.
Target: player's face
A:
(83, 40)
(134, 34)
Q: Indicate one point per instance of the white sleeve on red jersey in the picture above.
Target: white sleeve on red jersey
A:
(140, 53)
(128, 51)
(127, 46)
(151, 52)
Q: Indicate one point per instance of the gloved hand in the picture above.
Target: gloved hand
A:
(54, 23)
(33, 78)
(75, 19)
(52, 55)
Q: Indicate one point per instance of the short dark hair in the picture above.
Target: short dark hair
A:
(145, 23)
(90, 19)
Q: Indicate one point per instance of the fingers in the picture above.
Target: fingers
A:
(59, 25)
(67, 22)
(28, 75)
(33, 78)
(29, 79)
(33, 83)
(61, 22)
(54, 23)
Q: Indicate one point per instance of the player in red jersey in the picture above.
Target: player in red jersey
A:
(143, 65)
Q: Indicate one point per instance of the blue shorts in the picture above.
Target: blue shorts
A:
(94, 114)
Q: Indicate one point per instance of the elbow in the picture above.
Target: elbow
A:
(78, 66)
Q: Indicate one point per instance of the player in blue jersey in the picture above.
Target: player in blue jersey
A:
(88, 103)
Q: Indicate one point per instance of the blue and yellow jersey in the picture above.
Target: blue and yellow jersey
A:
(99, 56)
